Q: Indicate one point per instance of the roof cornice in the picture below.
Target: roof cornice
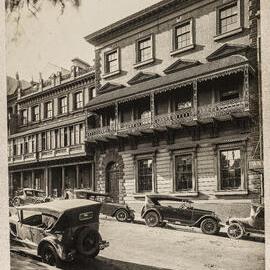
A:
(130, 22)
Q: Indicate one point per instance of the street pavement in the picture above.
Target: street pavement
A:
(138, 247)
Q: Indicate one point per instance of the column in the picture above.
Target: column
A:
(49, 179)
(46, 179)
(195, 99)
(246, 88)
(63, 180)
(33, 179)
(93, 177)
(152, 107)
(101, 120)
(21, 179)
(11, 184)
(116, 116)
(77, 177)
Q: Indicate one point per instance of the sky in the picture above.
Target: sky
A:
(49, 40)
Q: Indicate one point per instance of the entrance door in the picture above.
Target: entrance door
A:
(112, 181)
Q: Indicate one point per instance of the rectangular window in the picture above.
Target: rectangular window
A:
(24, 117)
(35, 113)
(183, 173)
(63, 106)
(48, 113)
(78, 100)
(183, 35)
(56, 138)
(230, 169)
(92, 93)
(145, 175)
(26, 150)
(14, 149)
(71, 132)
(144, 49)
(65, 137)
(77, 134)
(43, 141)
(229, 18)
(111, 61)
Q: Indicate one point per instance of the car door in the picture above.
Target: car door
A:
(23, 230)
(183, 214)
(167, 211)
(107, 208)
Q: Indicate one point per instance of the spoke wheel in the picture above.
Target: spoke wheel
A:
(235, 231)
(50, 257)
(209, 226)
(121, 215)
(152, 219)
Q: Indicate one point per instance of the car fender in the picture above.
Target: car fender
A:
(198, 222)
(52, 240)
(152, 209)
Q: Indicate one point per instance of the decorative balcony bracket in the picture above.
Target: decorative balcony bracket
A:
(246, 88)
(195, 99)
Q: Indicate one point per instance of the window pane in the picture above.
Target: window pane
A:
(112, 62)
(182, 36)
(144, 50)
(183, 172)
(228, 19)
(145, 175)
(63, 105)
(230, 169)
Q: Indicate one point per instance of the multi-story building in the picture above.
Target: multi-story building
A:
(176, 110)
(46, 142)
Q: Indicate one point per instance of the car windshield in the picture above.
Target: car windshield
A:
(29, 192)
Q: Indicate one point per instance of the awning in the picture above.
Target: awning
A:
(210, 70)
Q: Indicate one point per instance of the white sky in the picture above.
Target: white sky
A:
(40, 44)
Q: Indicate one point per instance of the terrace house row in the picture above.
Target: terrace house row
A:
(176, 110)
(46, 142)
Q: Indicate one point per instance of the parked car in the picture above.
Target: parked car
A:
(159, 209)
(238, 227)
(61, 230)
(29, 195)
(122, 212)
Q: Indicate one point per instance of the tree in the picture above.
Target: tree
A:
(34, 6)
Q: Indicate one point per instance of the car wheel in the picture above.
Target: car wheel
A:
(209, 226)
(49, 256)
(152, 219)
(16, 202)
(235, 231)
(121, 215)
(87, 242)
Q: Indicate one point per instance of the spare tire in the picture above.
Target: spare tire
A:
(87, 242)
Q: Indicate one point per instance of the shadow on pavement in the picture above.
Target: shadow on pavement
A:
(101, 263)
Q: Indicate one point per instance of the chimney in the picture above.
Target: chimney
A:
(40, 82)
(18, 85)
(58, 77)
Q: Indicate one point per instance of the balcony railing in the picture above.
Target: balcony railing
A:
(222, 108)
(72, 150)
(177, 118)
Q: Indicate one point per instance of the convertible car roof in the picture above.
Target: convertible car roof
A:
(58, 206)
(166, 197)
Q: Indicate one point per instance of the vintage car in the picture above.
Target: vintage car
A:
(29, 195)
(159, 209)
(60, 230)
(238, 227)
(122, 212)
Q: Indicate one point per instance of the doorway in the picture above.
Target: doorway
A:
(112, 181)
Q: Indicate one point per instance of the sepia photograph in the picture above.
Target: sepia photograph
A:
(135, 134)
